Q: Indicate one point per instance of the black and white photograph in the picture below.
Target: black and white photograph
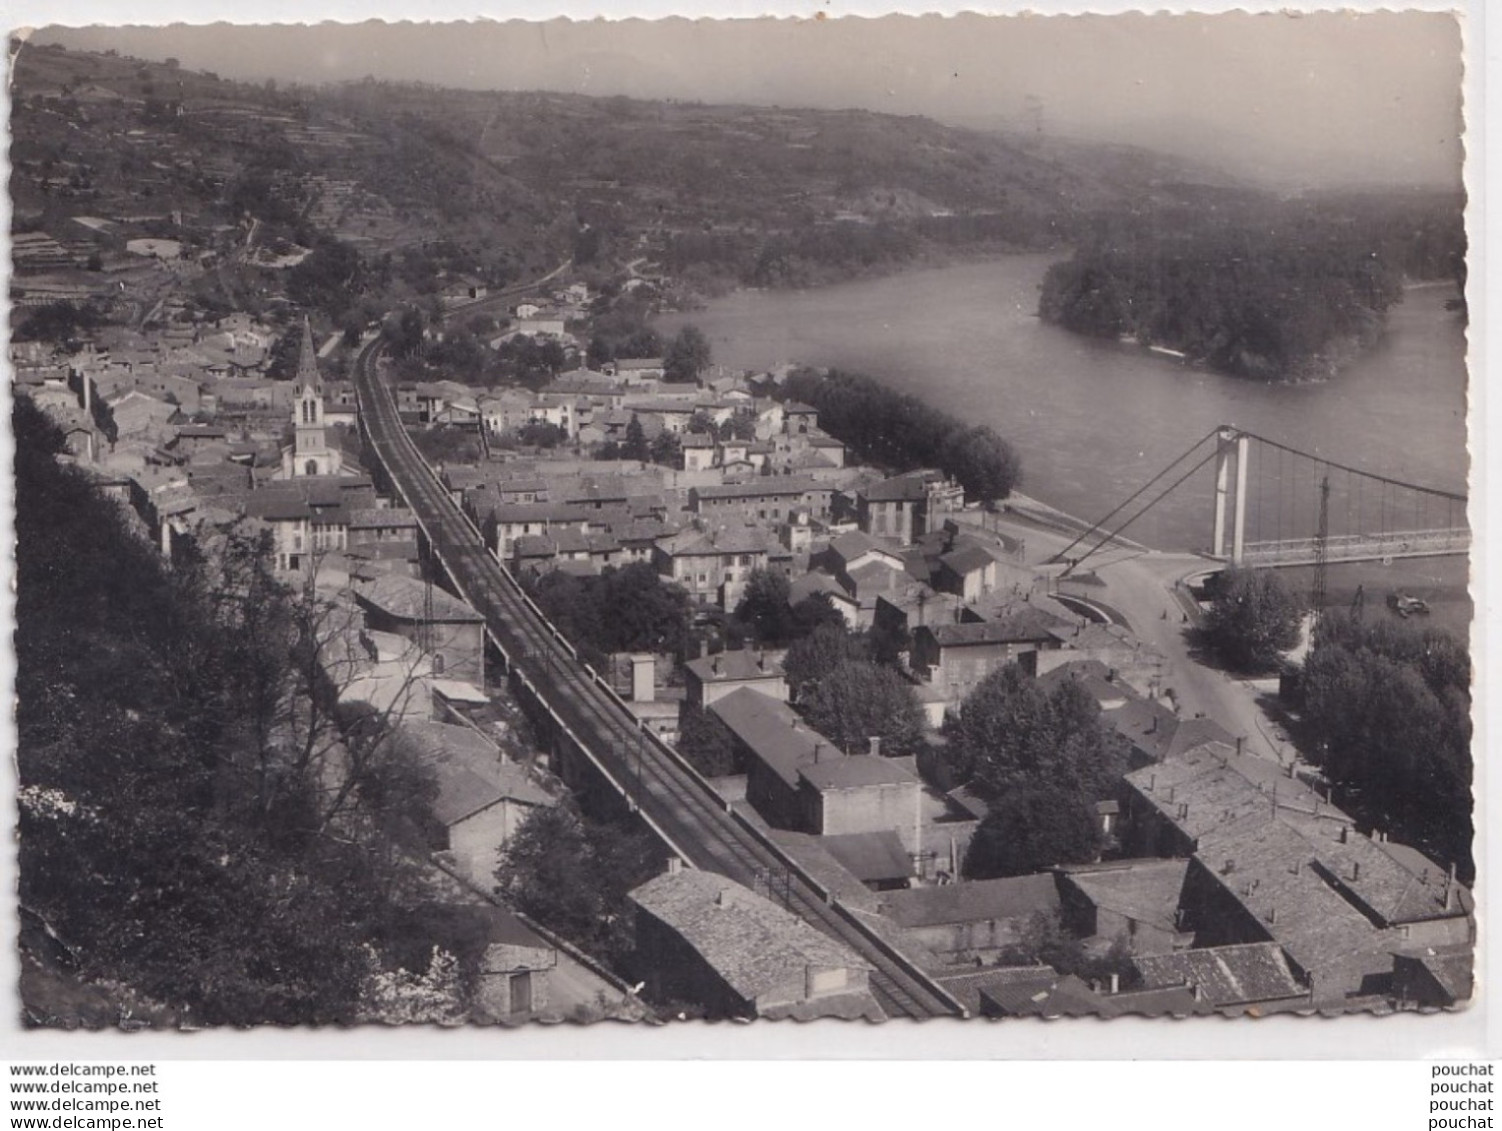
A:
(679, 520)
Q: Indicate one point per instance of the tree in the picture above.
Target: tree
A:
(196, 820)
(665, 448)
(706, 742)
(541, 434)
(404, 331)
(626, 609)
(1389, 710)
(816, 611)
(572, 874)
(1031, 828)
(688, 355)
(1011, 732)
(1252, 618)
(983, 463)
(635, 446)
(814, 656)
(858, 701)
(764, 607)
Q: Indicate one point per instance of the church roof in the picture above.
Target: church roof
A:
(307, 362)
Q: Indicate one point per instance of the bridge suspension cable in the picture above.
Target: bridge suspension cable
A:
(1385, 479)
(1095, 526)
(1070, 568)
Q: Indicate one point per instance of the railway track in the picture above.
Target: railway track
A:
(680, 806)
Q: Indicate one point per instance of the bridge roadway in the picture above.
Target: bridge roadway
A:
(680, 805)
(1358, 548)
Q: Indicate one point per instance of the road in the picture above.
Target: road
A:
(1141, 585)
(681, 806)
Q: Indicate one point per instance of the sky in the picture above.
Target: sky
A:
(1314, 97)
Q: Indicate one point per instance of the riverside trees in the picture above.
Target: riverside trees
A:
(902, 432)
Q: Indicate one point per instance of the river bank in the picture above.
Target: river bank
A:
(1093, 421)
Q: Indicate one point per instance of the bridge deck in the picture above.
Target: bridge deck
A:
(1388, 546)
(679, 804)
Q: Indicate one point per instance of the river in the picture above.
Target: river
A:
(1094, 420)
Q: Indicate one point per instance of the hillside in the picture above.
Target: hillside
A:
(776, 196)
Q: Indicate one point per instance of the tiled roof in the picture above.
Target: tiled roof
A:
(772, 730)
(406, 597)
(753, 944)
(1452, 967)
(902, 489)
(739, 664)
(1146, 891)
(968, 559)
(374, 518)
(765, 485)
(726, 540)
(1159, 733)
(854, 771)
(871, 857)
(470, 773)
(1010, 625)
(1012, 897)
(1225, 975)
(1066, 997)
(853, 544)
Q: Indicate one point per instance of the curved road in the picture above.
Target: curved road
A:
(681, 806)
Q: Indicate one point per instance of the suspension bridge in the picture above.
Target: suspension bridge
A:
(1273, 505)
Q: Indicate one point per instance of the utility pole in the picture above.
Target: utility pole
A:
(1321, 551)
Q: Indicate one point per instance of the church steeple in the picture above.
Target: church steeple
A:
(308, 377)
(310, 453)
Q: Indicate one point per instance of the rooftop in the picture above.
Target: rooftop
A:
(1146, 891)
(1226, 975)
(772, 730)
(740, 664)
(406, 598)
(752, 943)
(973, 901)
(1012, 624)
(831, 770)
(871, 857)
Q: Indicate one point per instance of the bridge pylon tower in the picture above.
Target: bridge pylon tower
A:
(1231, 450)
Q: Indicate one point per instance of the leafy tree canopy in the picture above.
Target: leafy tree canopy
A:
(1253, 617)
(1032, 828)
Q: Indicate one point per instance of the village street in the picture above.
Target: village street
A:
(1140, 586)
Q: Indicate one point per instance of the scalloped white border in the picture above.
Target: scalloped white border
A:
(1471, 1033)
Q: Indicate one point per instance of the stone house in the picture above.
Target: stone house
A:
(703, 938)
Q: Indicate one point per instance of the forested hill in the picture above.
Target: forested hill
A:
(1276, 290)
(772, 196)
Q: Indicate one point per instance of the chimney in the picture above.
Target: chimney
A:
(875, 749)
(1171, 791)
(675, 865)
(818, 749)
(719, 898)
(714, 664)
(1342, 834)
(1115, 983)
(1240, 744)
(1152, 783)
(1450, 887)
(1355, 871)
(761, 659)
(1272, 917)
